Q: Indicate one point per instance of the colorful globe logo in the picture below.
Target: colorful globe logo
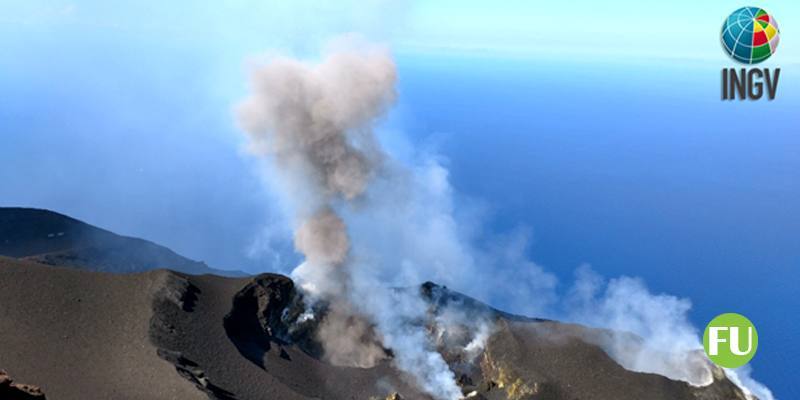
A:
(750, 35)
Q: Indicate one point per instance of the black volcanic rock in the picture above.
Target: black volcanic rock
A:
(17, 391)
(51, 238)
(260, 317)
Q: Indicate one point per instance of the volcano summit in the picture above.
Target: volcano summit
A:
(77, 333)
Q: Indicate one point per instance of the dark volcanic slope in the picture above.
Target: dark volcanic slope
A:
(156, 335)
(83, 335)
(166, 335)
(54, 239)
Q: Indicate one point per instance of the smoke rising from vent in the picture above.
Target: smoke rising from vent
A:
(315, 122)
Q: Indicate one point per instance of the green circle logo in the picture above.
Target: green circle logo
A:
(730, 340)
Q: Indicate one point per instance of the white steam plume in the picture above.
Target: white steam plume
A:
(665, 342)
(651, 332)
(741, 377)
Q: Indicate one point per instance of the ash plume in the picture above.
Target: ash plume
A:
(313, 122)
(349, 339)
(323, 238)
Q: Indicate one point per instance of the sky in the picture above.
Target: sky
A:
(598, 126)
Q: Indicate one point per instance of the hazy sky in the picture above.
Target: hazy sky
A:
(676, 29)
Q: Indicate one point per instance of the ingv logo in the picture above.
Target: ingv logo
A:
(750, 35)
(730, 340)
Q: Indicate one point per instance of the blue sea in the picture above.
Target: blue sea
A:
(637, 168)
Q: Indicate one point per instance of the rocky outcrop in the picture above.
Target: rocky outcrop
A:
(191, 371)
(18, 391)
(265, 298)
(266, 312)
